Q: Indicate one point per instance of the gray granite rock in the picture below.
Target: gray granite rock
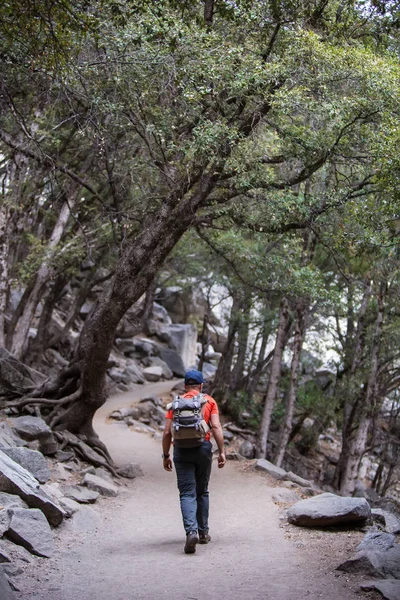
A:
(69, 506)
(30, 428)
(14, 479)
(264, 465)
(29, 528)
(8, 438)
(153, 373)
(6, 592)
(246, 449)
(329, 509)
(290, 476)
(98, 484)
(130, 471)
(389, 588)
(31, 460)
(80, 494)
(284, 495)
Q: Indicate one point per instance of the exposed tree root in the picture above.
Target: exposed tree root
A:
(95, 456)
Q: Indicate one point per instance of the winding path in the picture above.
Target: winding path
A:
(136, 551)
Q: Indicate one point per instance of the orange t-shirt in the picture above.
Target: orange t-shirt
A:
(210, 408)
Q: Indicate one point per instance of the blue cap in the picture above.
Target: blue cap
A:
(196, 376)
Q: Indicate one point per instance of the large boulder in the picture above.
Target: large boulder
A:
(328, 509)
(181, 337)
(173, 360)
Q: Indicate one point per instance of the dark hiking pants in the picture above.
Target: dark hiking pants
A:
(193, 469)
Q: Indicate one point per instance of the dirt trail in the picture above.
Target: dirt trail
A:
(135, 551)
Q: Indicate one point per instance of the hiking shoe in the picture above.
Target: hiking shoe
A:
(191, 541)
(204, 538)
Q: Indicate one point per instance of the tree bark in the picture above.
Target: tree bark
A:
(223, 374)
(294, 374)
(358, 440)
(275, 375)
(19, 341)
(5, 231)
(139, 263)
(243, 338)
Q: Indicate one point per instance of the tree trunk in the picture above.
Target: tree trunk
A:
(294, 373)
(5, 231)
(358, 441)
(243, 338)
(138, 265)
(19, 341)
(354, 353)
(223, 374)
(274, 379)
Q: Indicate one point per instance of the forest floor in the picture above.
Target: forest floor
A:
(131, 547)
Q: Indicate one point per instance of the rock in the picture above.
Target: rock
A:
(84, 520)
(159, 313)
(14, 376)
(284, 495)
(69, 506)
(209, 371)
(134, 372)
(130, 471)
(389, 588)
(153, 373)
(173, 360)
(4, 521)
(298, 480)
(98, 484)
(14, 479)
(29, 528)
(156, 361)
(4, 556)
(31, 460)
(6, 592)
(123, 413)
(247, 449)
(264, 465)
(11, 501)
(8, 439)
(329, 509)
(181, 337)
(30, 428)
(377, 542)
(228, 435)
(80, 494)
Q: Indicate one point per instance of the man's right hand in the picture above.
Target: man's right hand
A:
(221, 460)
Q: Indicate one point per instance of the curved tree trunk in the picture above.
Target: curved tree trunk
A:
(275, 375)
(140, 261)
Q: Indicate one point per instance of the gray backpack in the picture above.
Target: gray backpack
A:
(189, 428)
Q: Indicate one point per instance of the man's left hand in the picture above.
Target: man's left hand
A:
(167, 464)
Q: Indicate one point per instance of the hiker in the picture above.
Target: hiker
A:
(187, 426)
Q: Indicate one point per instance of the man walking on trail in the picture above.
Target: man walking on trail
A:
(187, 423)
